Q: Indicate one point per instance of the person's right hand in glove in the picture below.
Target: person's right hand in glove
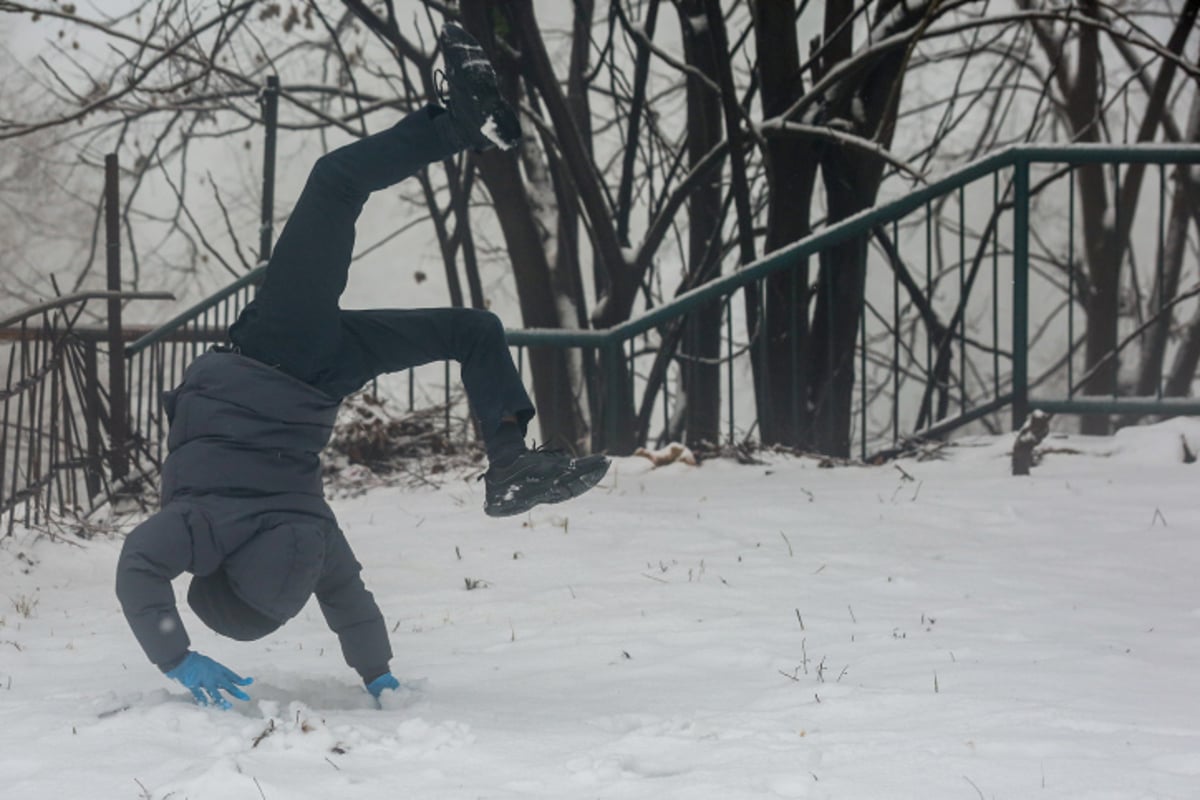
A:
(385, 681)
(206, 679)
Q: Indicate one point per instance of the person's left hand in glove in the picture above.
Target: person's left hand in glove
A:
(206, 679)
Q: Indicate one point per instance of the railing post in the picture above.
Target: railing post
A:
(118, 413)
(270, 103)
(13, 357)
(1020, 299)
(91, 417)
(611, 355)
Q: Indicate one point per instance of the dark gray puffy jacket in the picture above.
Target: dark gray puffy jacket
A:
(242, 500)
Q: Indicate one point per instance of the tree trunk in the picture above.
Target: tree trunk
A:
(1187, 355)
(732, 113)
(701, 345)
(1154, 342)
(526, 244)
(791, 164)
(1107, 239)
(851, 185)
(1187, 359)
(577, 100)
(1154, 346)
(569, 268)
(576, 161)
(523, 239)
(834, 335)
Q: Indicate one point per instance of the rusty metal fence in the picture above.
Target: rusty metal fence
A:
(57, 448)
(156, 359)
(82, 419)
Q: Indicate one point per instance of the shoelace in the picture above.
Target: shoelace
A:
(544, 448)
(441, 86)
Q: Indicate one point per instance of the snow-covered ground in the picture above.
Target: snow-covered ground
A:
(933, 629)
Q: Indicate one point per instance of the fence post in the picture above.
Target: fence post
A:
(91, 416)
(1020, 320)
(270, 103)
(613, 397)
(118, 412)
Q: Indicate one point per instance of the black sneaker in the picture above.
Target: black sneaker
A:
(481, 114)
(540, 476)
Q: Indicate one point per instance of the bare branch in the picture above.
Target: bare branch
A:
(778, 127)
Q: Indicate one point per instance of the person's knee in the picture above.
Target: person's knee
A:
(329, 173)
(483, 324)
(324, 168)
(470, 332)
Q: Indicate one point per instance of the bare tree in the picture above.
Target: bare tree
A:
(835, 116)
(699, 138)
(1108, 201)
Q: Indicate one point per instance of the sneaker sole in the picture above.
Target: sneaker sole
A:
(499, 121)
(565, 488)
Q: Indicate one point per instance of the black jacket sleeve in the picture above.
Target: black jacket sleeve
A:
(156, 552)
(351, 612)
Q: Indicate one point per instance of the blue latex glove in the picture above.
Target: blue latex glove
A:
(385, 681)
(207, 679)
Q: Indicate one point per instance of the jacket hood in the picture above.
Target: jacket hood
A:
(263, 583)
(277, 570)
(220, 608)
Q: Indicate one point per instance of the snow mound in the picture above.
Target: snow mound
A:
(928, 628)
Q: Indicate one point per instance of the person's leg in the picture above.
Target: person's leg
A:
(293, 321)
(377, 342)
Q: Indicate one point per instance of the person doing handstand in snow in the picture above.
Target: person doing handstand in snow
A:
(243, 508)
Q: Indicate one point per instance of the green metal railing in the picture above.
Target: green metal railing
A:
(939, 348)
(1011, 390)
(1068, 398)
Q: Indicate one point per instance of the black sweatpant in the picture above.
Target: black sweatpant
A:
(295, 323)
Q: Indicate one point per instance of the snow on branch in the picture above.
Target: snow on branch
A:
(877, 49)
(780, 127)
